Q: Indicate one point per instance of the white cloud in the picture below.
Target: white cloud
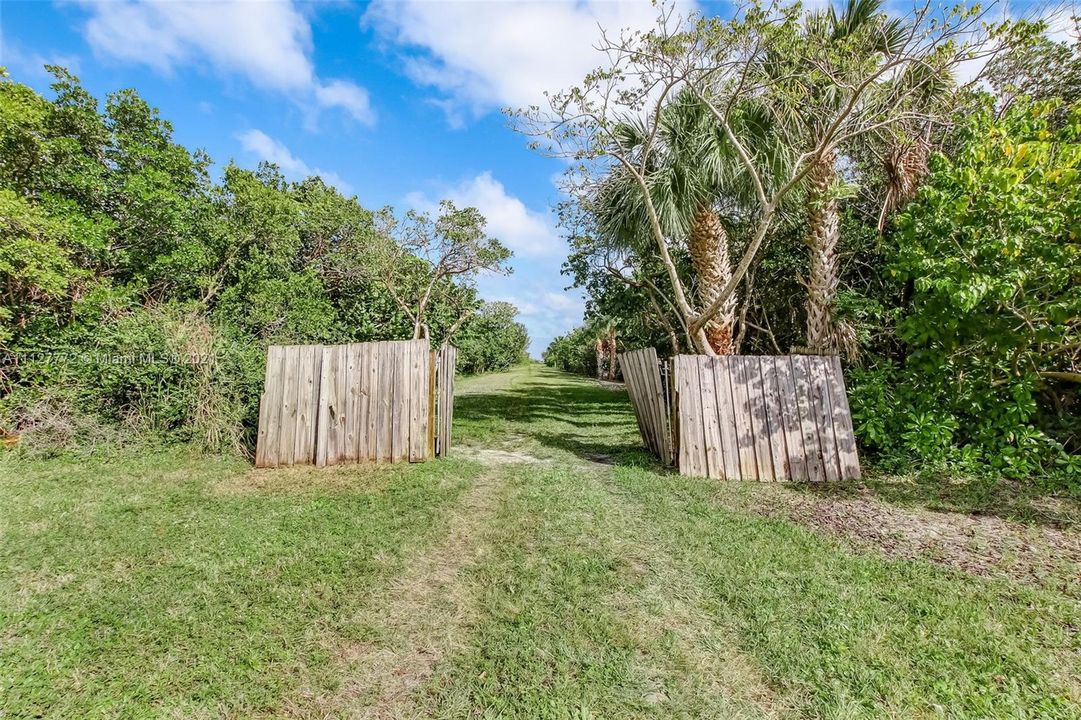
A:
(564, 303)
(16, 58)
(527, 232)
(263, 147)
(346, 95)
(485, 55)
(269, 43)
(532, 292)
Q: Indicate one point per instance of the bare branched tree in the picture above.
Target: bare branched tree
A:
(454, 248)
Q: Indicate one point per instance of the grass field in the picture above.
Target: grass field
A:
(550, 569)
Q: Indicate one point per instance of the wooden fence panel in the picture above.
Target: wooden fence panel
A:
(446, 365)
(726, 412)
(759, 418)
(842, 422)
(741, 403)
(649, 399)
(340, 403)
(266, 444)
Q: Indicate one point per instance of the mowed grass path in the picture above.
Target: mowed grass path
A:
(550, 569)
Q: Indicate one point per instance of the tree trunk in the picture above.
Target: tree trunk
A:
(600, 358)
(708, 246)
(613, 358)
(823, 233)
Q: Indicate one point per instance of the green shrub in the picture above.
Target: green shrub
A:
(992, 249)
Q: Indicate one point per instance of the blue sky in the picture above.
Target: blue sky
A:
(396, 102)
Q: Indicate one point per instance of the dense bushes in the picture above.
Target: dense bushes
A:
(493, 340)
(575, 352)
(991, 251)
(139, 294)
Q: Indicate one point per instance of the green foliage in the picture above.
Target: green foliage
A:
(992, 253)
(575, 352)
(139, 295)
(491, 340)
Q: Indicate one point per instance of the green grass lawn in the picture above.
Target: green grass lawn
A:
(550, 569)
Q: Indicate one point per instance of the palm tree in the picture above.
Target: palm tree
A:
(605, 347)
(694, 180)
(844, 43)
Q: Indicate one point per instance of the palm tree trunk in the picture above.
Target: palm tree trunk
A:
(600, 358)
(613, 358)
(708, 247)
(824, 231)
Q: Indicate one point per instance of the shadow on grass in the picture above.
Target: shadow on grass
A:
(593, 422)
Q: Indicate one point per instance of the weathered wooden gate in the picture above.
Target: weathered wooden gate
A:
(362, 401)
(647, 385)
(750, 417)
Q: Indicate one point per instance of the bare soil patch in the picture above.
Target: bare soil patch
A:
(495, 456)
(979, 544)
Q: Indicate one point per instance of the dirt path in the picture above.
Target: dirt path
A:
(422, 615)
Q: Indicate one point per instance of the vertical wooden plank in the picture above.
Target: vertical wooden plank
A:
(418, 425)
(748, 466)
(383, 378)
(759, 425)
(411, 418)
(432, 401)
(337, 357)
(796, 460)
(452, 373)
(842, 422)
(418, 393)
(396, 394)
(323, 431)
(775, 418)
(302, 396)
(691, 416)
(652, 382)
(726, 417)
(311, 407)
(287, 436)
(448, 380)
(811, 445)
(362, 383)
(634, 392)
(274, 445)
(823, 421)
(636, 371)
(352, 401)
(678, 382)
(660, 380)
(439, 402)
(711, 430)
(375, 399)
(644, 385)
(268, 406)
(400, 406)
